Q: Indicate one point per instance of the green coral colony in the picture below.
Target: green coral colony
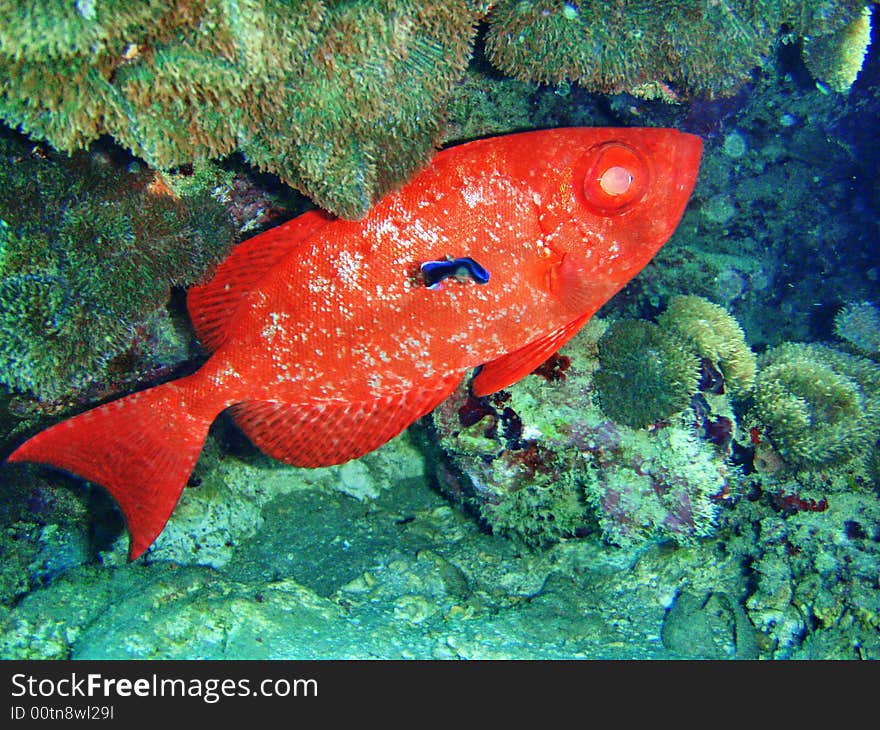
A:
(88, 256)
(645, 374)
(343, 99)
(820, 406)
(303, 89)
(704, 47)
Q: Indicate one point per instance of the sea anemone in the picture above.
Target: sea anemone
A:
(645, 373)
(714, 334)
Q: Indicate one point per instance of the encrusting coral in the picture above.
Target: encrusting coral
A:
(817, 406)
(340, 99)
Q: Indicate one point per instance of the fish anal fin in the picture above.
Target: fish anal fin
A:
(323, 434)
(212, 305)
(514, 366)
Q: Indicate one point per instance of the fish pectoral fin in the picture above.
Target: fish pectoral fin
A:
(212, 305)
(333, 432)
(579, 286)
(515, 365)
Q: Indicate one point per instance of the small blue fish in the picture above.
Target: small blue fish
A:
(434, 272)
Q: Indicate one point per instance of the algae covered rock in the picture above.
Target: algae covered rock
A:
(225, 504)
(542, 462)
(713, 626)
(813, 587)
(662, 485)
(510, 464)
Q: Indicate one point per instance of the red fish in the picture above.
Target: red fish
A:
(327, 341)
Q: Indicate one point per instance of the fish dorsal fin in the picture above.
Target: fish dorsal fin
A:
(323, 434)
(515, 365)
(212, 305)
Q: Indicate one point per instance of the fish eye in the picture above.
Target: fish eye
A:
(614, 178)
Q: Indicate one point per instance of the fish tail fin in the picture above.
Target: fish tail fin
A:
(140, 448)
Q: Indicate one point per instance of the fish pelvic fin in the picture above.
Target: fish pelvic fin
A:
(140, 448)
(508, 369)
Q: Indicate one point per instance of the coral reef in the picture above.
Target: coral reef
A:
(643, 46)
(818, 406)
(340, 99)
(835, 59)
(88, 255)
(541, 461)
(813, 592)
(404, 575)
(778, 233)
(343, 100)
(663, 484)
(645, 373)
(716, 336)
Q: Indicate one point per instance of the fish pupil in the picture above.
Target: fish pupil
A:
(616, 180)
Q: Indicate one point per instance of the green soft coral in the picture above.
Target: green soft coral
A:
(645, 373)
(698, 46)
(342, 99)
(819, 406)
(345, 99)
